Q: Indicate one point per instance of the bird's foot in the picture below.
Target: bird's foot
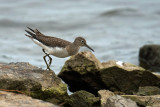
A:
(49, 69)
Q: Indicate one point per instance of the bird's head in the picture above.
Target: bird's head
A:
(80, 41)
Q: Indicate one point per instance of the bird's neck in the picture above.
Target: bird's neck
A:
(73, 49)
(75, 43)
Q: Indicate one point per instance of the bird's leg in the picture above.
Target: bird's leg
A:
(44, 57)
(44, 51)
(50, 59)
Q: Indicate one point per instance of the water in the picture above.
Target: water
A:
(114, 29)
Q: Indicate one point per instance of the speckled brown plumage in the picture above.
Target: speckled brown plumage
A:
(56, 46)
(47, 40)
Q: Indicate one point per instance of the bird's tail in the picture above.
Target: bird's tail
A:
(32, 33)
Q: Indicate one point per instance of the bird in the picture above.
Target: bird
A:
(56, 46)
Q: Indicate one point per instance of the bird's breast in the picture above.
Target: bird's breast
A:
(58, 52)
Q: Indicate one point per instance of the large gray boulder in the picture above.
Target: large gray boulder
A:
(149, 57)
(84, 72)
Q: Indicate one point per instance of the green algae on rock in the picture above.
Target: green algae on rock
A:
(82, 63)
(84, 72)
(118, 79)
(34, 82)
(84, 99)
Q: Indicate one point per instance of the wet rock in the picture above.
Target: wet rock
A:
(8, 99)
(149, 57)
(145, 101)
(148, 90)
(84, 99)
(33, 81)
(84, 72)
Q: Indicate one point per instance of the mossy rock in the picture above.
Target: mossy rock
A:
(82, 63)
(32, 81)
(57, 95)
(119, 79)
(148, 90)
(84, 99)
(84, 72)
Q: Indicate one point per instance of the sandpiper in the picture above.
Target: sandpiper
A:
(56, 46)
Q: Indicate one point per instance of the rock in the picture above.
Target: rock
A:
(109, 99)
(145, 101)
(79, 71)
(33, 81)
(118, 101)
(104, 95)
(127, 78)
(149, 57)
(8, 99)
(84, 99)
(148, 90)
(156, 74)
(84, 72)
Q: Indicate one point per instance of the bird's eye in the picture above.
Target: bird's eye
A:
(82, 41)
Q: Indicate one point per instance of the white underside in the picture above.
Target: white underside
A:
(56, 51)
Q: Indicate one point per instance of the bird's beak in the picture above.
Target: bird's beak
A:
(89, 47)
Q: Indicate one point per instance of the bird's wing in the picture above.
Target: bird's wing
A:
(46, 40)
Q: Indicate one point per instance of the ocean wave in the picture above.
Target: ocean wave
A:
(7, 23)
(44, 25)
(11, 23)
(120, 11)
